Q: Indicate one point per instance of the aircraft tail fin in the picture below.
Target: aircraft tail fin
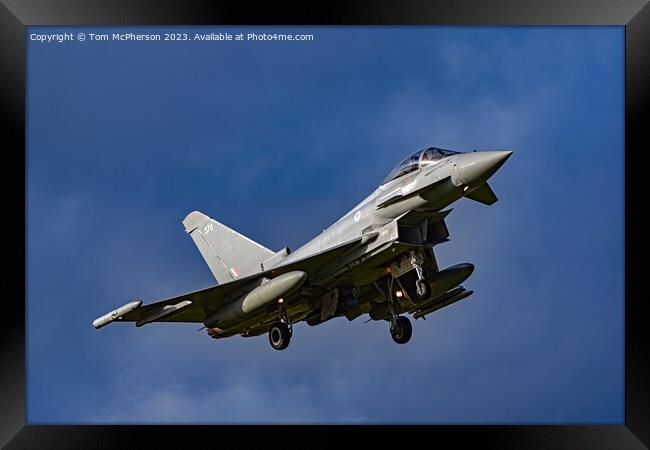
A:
(229, 255)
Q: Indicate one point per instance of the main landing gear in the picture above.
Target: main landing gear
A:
(281, 331)
(400, 326)
(401, 330)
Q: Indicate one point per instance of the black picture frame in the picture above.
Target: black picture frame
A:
(16, 15)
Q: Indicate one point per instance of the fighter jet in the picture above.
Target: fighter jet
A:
(378, 259)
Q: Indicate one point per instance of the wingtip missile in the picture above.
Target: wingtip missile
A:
(116, 314)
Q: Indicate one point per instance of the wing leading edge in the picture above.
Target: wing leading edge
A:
(193, 307)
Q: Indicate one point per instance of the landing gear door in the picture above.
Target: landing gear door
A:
(424, 232)
(330, 302)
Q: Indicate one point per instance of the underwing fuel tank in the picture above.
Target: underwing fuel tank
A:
(269, 291)
(116, 314)
(449, 278)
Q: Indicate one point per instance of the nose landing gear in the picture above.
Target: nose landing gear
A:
(422, 288)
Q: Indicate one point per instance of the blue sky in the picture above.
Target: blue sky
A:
(278, 140)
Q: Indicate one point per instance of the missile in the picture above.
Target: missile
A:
(442, 303)
(440, 298)
(269, 291)
(161, 312)
(218, 333)
(116, 314)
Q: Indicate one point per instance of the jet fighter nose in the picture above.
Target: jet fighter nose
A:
(476, 167)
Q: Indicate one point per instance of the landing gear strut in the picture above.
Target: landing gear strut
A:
(400, 326)
(422, 288)
(281, 331)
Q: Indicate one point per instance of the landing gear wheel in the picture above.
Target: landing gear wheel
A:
(401, 331)
(279, 336)
(422, 290)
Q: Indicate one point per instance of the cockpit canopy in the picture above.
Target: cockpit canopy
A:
(418, 159)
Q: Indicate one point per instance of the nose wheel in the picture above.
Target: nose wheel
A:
(422, 288)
